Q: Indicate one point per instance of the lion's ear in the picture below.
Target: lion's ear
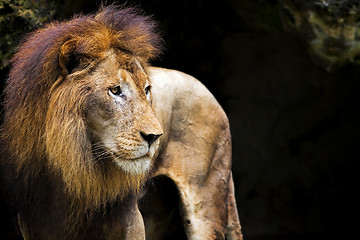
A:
(68, 59)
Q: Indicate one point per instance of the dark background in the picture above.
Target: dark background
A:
(295, 127)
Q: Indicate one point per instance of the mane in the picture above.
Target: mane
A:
(44, 128)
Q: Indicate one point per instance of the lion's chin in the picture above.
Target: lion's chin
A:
(137, 166)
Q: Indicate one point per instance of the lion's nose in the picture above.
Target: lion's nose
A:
(150, 138)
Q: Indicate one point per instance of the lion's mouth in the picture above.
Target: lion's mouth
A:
(134, 166)
(104, 153)
(118, 157)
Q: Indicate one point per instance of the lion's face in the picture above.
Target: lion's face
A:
(119, 117)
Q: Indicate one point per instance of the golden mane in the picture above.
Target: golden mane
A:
(44, 129)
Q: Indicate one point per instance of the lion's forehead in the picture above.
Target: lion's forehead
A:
(118, 67)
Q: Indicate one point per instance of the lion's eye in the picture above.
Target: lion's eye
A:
(115, 90)
(147, 90)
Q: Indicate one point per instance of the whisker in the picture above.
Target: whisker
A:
(103, 150)
(99, 151)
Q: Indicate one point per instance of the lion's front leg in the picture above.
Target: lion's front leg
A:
(204, 214)
(135, 229)
(126, 223)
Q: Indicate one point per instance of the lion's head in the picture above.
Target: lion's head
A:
(78, 104)
(118, 113)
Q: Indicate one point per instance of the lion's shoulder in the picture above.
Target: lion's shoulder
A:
(180, 101)
(173, 86)
(177, 79)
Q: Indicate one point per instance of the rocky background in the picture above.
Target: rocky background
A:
(295, 126)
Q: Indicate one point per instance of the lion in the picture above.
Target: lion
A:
(97, 144)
